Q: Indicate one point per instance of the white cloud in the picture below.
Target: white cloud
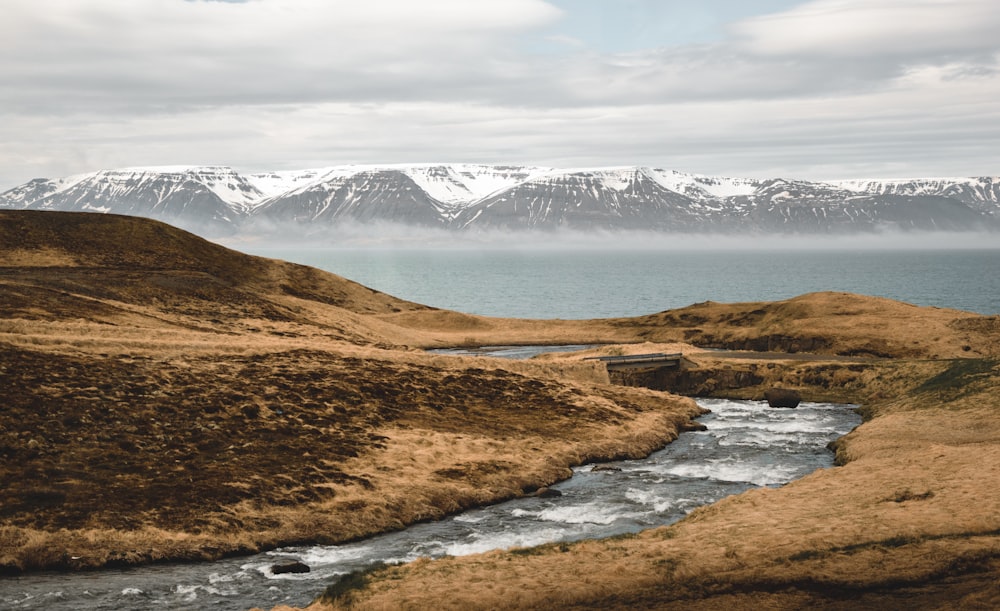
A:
(866, 28)
(158, 53)
(832, 88)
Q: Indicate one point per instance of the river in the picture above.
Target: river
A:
(746, 444)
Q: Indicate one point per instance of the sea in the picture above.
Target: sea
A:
(563, 283)
(746, 444)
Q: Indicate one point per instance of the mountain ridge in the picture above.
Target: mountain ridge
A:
(218, 200)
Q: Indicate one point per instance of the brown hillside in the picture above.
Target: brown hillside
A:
(167, 398)
(104, 267)
(831, 323)
(911, 520)
(824, 323)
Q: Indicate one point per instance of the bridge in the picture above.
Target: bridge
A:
(655, 360)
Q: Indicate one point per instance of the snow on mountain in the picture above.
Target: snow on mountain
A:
(802, 192)
(356, 194)
(272, 184)
(198, 198)
(599, 198)
(790, 205)
(275, 183)
(703, 187)
(25, 195)
(461, 184)
(224, 182)
(218, 200)
(980, 193)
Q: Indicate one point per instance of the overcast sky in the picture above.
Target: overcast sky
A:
(801, 89)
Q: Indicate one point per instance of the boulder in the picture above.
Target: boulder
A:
(290, 567)
(599, 468)
(691, 426)
(782, 397)
(547, 493)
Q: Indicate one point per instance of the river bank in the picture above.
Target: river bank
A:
(169, 400)
(744, 445)
(173, 400)
(904, 522)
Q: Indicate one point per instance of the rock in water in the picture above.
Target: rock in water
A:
(547, 493)
(290, 567)
(782, 397)
(599, 468)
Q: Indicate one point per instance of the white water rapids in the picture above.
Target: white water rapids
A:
(747, 444)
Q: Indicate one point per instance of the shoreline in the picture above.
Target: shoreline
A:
(169, 397)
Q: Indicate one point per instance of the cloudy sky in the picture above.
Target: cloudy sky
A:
(803, 89)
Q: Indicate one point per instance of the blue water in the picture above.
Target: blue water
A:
(612, 283)
(745, 445)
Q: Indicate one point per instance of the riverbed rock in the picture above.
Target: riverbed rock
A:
(599, 468)
(547, 493)
(290, 567)
(782, 397)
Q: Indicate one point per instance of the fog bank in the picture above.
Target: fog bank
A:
(406, 237)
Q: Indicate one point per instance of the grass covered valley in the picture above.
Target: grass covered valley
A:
(165, 398)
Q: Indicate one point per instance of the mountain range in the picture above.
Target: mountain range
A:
(468, 197)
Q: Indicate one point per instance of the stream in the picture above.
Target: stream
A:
(747, 444)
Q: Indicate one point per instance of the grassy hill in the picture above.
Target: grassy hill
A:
(167, 398)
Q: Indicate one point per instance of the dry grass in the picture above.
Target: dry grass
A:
(256, 450)
(820, 323)
(911, 521)
(165, 398)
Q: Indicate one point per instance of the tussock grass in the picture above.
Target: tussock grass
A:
(341, 591)
(136, 357)
(906, 521)
(958, 376)
(289, 446)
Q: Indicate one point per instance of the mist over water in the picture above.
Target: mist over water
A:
(616, 278)
(746, 444)
(397, 236)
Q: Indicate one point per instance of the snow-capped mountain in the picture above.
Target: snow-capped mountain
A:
(460, 184)
(219, 200)
(981, 194)
(198, 198)
(607, 199)
(271, 184)
(364, 196)
(415, 194)
(668, 201)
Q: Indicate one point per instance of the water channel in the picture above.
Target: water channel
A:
(747, 444)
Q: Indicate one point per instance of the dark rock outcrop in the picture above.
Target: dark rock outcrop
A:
(547, 493)
(782, 397)
(609, 468)
(290, 567)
